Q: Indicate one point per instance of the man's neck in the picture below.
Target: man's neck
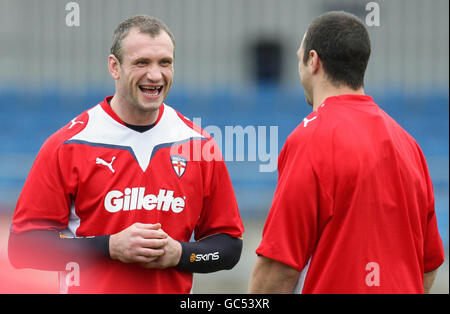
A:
(329, 91)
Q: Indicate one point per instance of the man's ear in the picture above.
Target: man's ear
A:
(114, 67)
(314, 62)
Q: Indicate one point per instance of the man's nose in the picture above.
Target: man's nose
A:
(154, 73)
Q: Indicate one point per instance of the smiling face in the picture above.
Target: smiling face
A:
(144, 77)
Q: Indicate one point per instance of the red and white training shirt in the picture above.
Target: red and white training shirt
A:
(96, 176)
(354, 205)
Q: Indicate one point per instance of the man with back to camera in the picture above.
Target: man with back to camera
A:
(353, 211)
(120, 189)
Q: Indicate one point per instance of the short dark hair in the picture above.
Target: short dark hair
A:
(145, 24)
(342, 42)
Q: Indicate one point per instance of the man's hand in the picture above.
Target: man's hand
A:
(142, 243)
(171, 257)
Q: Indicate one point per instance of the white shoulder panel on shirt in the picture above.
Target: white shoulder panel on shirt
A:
(103, 131)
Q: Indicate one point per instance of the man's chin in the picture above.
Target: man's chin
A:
(309, 101)
(150, 105)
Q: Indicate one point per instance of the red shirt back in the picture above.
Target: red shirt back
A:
(354, 205)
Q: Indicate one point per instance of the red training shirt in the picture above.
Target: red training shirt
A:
(354, 207)
(96, 176)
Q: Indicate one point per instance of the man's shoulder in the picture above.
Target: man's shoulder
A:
(68, 131)
(306, 130)
(185, 121)
(316, 133)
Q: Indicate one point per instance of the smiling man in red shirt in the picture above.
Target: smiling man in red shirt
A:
(118, 193)
(353, 211)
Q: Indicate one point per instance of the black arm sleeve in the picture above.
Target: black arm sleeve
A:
(217, 252)
(45, 250)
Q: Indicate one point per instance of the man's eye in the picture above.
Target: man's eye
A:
(142, 63)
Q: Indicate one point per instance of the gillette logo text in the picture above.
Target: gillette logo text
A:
(135, 199)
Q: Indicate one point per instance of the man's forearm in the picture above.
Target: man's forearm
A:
(270, 277)
(428, 280)
(45, 250)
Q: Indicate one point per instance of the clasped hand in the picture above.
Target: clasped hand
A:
(146, 244)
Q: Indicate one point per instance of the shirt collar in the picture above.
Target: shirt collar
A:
(350, 99)
(107, 108)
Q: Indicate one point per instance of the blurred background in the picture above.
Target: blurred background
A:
(235, 64)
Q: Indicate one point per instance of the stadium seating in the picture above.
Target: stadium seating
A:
(29, 119)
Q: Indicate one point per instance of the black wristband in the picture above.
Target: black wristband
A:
(217, 252)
